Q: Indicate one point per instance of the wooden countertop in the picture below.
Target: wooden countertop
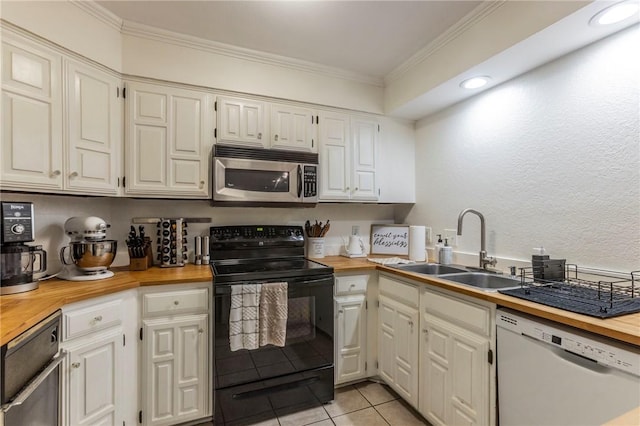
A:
(20, 311)
(625, 328)
(630, 418)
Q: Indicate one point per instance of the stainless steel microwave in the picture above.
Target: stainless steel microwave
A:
(264, 177)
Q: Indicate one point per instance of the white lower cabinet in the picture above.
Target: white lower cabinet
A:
(99, 375)
(176, 377)
(457, 373)
(351, 333)
(398, 337)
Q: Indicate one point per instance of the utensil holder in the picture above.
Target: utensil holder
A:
(315, 248)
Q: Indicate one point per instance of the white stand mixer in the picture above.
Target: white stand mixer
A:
(89, 253)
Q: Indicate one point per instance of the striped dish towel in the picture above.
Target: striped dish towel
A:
(244, 316)
(273, 314)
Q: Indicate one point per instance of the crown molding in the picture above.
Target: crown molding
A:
(468, 21)
(153, 33)
(94, 9)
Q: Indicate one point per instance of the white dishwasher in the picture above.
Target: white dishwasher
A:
(551, 374)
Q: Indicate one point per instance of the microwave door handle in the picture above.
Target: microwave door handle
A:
(299, 181)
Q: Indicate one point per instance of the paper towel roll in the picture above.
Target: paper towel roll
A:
(417, 249)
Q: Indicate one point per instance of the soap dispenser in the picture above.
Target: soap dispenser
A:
(446, 253)
(438, 247)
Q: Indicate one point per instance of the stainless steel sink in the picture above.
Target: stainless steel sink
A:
(430, 268)
(483, 281)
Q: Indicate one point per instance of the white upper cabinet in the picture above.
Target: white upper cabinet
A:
(334, 156)
(31, 137)
(364, 148)
(241, 122)
(94, 130)
(169, 135)
(348, 157)
(292, 128)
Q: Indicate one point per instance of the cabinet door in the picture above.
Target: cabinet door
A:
(92, 372)
(169, 137)
(292, 128)
(455, 375)
(364, 148)
(334, 157)
(175, 384)
(350, 335)
(435, 364)
(398, 348)
(31, 135)
(242, 122)
(94, 131)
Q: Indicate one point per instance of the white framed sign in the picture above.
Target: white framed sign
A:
(390, 239)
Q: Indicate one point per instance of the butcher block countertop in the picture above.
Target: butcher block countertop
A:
(625, 328)
(20, 311)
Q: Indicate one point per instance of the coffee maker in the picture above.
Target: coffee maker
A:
(19, 261)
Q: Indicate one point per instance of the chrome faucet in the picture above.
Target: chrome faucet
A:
(484, 260)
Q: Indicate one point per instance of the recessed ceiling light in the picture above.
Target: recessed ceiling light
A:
(616, 13)
(475, 82)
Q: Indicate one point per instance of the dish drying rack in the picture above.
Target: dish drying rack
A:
(584, 290)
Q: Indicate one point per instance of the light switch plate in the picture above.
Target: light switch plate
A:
(452, 236)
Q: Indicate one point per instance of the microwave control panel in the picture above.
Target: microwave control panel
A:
(310, 181)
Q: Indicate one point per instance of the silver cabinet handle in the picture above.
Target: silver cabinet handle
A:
(411, 323)
(259, 135)
(356, 188)
(55, 173)
(98, 318)
(340, 311)
(425, 331)
(201, 184)
(276, 138)
(200, 331)
(73, 174)
(33, 385)
(347, 188)
(176, 302)
(75, 365)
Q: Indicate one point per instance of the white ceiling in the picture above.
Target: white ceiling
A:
(367, 37)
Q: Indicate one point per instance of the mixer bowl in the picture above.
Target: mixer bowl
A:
(90, 256)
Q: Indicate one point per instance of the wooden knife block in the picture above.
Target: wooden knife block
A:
(142, 263)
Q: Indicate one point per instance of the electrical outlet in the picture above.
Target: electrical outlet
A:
(355, 230)
(452, 236)
(427, 234)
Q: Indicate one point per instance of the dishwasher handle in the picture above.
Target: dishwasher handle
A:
(37, 381)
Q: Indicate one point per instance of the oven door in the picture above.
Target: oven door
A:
(243, 180)
(38, 402)
(308, 343)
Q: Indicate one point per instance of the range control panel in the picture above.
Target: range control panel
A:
(17, 222)
(256, 232)
(601, 350)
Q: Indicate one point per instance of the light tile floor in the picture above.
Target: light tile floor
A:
(366, 404)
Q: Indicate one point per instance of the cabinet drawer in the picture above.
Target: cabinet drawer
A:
(353, 284)
(84, 321)
(469, 315)
(175, 302)
(397, 290)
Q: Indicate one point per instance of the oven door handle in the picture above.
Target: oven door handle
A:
(33, 385)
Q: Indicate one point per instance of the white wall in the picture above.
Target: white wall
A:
(551, 158)
(69, 25)
(53, 210)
